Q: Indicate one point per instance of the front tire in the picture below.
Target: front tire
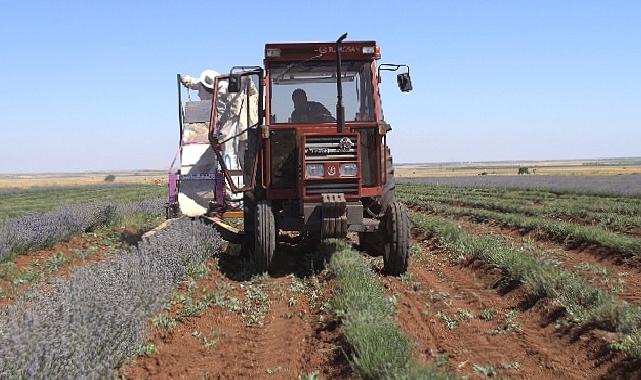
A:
(397, 230)
(264, 236)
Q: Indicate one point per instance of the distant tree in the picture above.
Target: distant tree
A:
(110, 178)
(524, 170)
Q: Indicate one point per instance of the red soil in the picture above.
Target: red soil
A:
(293, 340)
(573, 257)
(536, 349)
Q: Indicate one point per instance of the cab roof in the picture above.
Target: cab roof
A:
(298, 51)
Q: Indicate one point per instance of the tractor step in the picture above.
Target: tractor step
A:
(232, 214)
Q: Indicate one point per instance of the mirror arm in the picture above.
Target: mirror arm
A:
(389, 67)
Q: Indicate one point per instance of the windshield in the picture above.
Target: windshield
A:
(305, 92)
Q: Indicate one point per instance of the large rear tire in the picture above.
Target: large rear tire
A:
(397, 247)
(374, 242)
(264, 236)
(389, 189)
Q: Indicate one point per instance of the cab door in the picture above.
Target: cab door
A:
(236, 118)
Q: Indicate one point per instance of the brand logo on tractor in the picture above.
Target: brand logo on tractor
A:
(332, 49)
(331, 171)
(317, 150)
(345, 144)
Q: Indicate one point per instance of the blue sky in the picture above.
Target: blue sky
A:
(92, 86)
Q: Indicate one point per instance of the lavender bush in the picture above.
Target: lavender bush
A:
(35, 231)
(86, 326)
(154, 206)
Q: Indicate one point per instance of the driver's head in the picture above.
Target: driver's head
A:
(299, 97)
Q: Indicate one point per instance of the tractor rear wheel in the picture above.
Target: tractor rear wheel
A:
(373, 242)
(389, 189)
(264, 236)
(396, 224)
(249, 210)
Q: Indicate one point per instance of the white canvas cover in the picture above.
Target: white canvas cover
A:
(197, 173)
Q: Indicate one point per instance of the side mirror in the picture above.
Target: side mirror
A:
(404, 82)
(234, 83)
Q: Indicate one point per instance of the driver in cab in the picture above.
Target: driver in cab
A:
(306, 111)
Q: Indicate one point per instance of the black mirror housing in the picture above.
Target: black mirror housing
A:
(234, 83)
(404, 82)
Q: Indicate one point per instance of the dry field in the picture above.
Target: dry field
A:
(503, 283)
(548, 168)
(25, 181)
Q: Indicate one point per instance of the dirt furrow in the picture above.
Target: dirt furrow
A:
(286, 346)
(622, 278)
(456, 315)
(266, 328)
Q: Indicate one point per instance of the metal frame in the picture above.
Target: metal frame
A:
(255, 70)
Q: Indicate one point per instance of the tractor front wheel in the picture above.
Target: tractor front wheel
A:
(396, 224)
(264, 236)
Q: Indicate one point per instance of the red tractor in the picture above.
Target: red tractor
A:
(312, 148)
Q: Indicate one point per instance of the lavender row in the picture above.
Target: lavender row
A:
(629, 185)
(87, 325)
(35, 231)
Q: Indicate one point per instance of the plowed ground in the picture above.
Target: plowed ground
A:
(280, 331)
(461, 316)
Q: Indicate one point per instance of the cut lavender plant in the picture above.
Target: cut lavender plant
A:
(87, 325)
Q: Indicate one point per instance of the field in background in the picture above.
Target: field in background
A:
(18, 202)
(620, 185)
(631, 166)
(23, 181)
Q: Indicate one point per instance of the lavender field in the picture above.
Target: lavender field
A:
(629, 185)
(86, 325)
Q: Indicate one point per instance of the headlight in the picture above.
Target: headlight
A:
(314, 170)
(348, 170)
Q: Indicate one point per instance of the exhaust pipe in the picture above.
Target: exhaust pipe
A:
(340, 110)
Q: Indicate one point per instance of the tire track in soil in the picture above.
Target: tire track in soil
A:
(570, 257)
(541, 351)
(292, 340)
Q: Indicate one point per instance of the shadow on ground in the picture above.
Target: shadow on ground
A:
(295, 255)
